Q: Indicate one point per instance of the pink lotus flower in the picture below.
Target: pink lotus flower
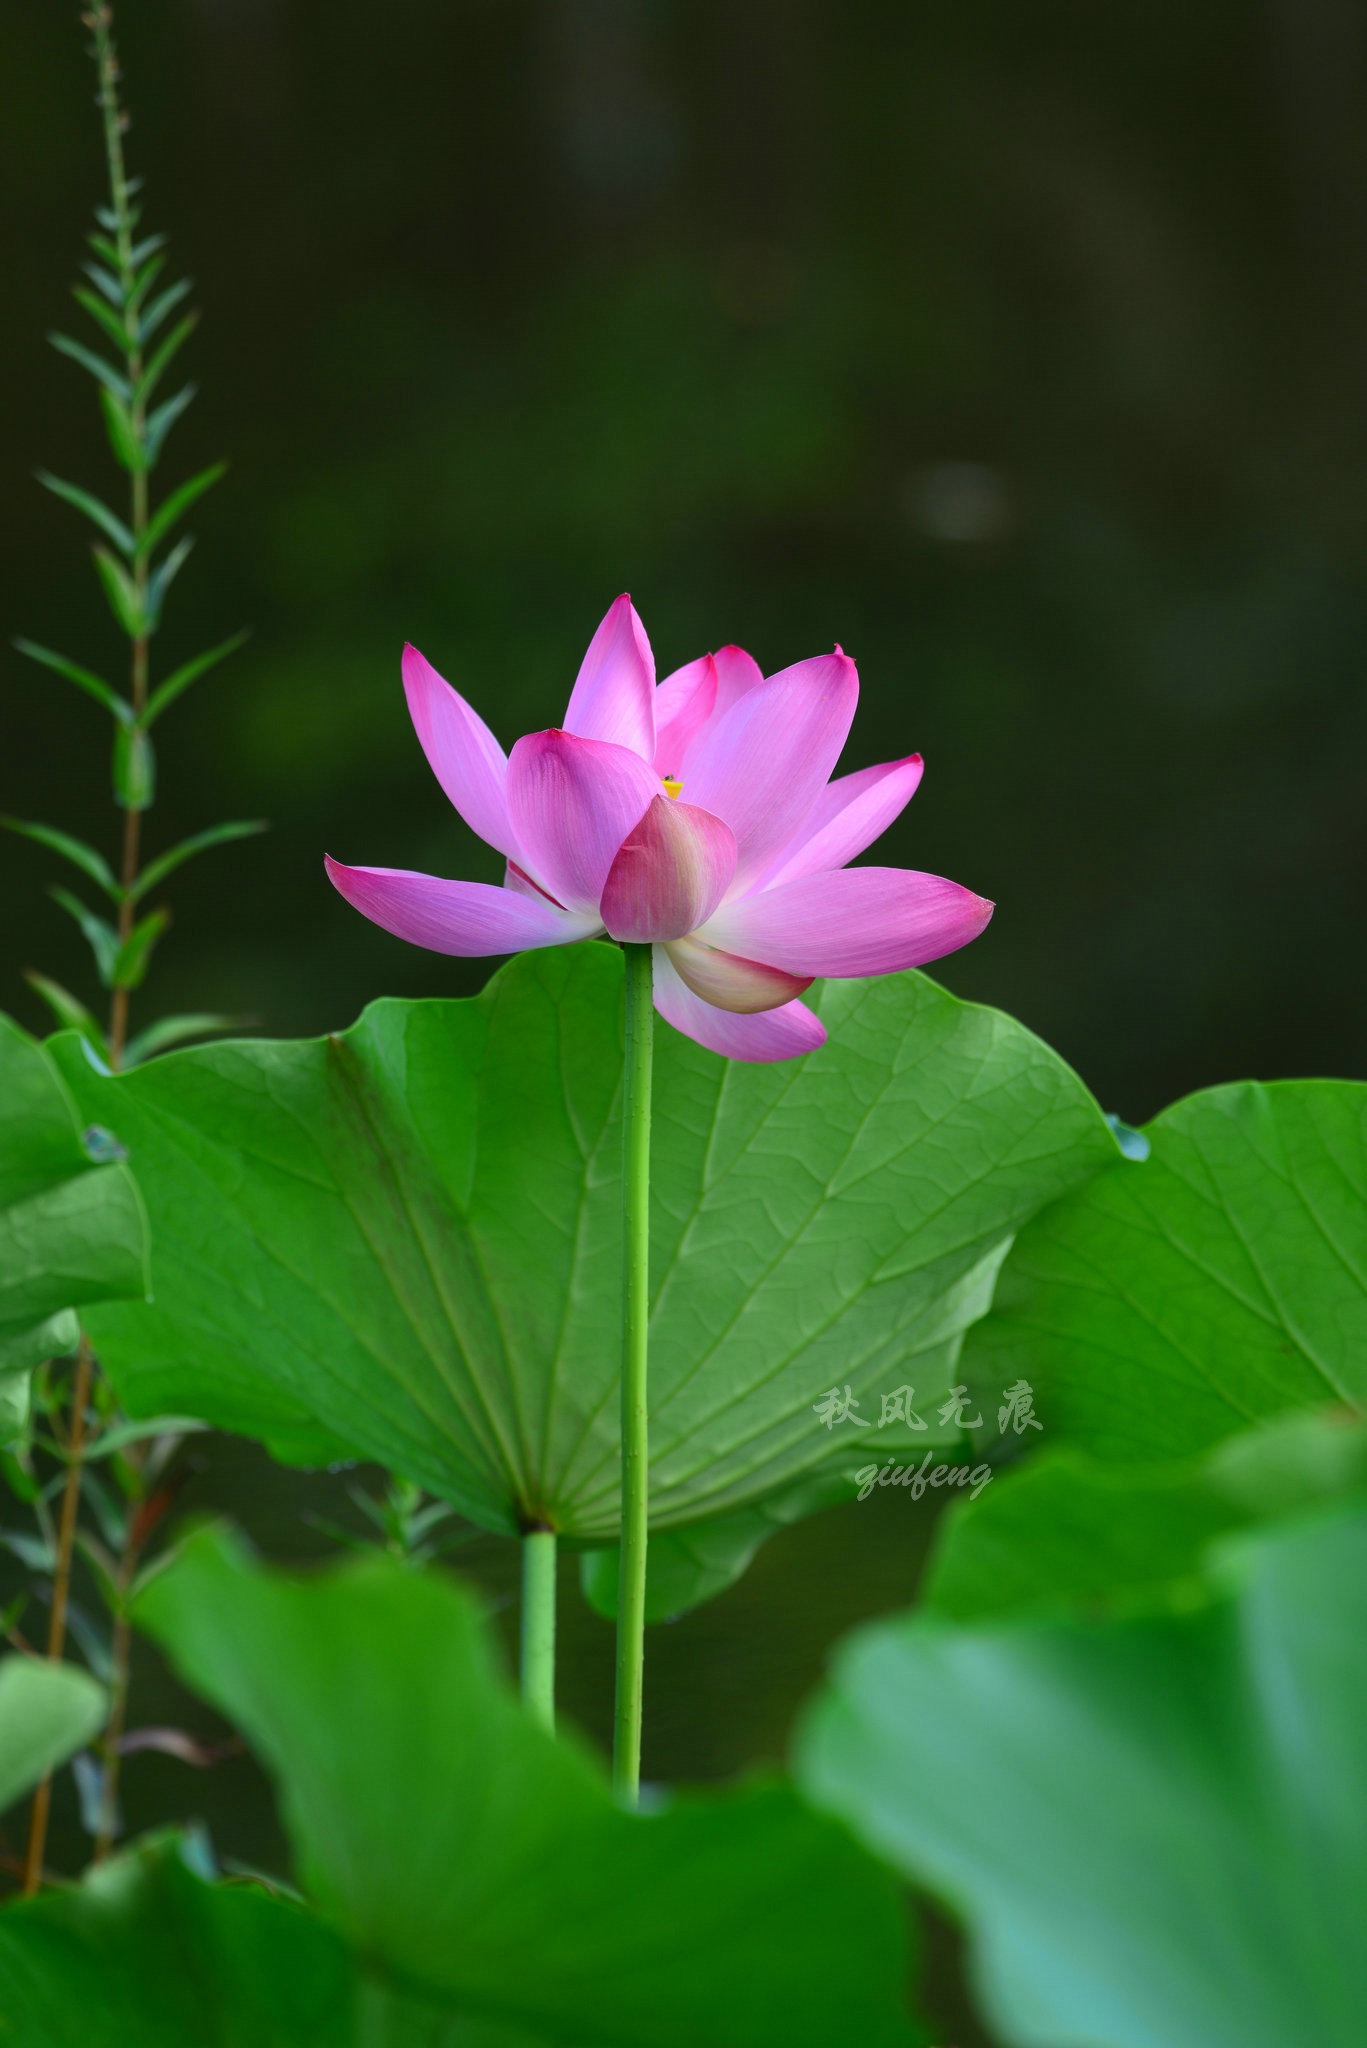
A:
(697, 816)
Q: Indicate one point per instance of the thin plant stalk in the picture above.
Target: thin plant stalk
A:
(137, 422)
(538, 1625)
(129, 318)
(115, 122)
(61, 1588)
(631, 1588)
(120, 1665)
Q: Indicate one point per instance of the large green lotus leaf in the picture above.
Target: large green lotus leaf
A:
(1061, 1532)
(412, 1233)
(72, 1228)
(1222, 1281)
(47, 1712)
(485, 1862)
(1153, 1827)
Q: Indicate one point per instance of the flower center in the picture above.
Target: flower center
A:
(672, 784)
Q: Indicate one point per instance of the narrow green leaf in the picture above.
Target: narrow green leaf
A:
(91, 1637)
(169, 1031)
(99, 1562)
(112, 1515)
(119, 587)
(21, 1483)
(135, 954)
(123, 435)
(148, 247)
(160, 422)
(108, 522)
(180, 500)
(107, 218)
(32, 1551)
(161, 579)
(75, 850)
(104, 281)
(84, 678)
(103, 316)
(100, 935)
(144, 281)
(105, 373)
(69, 1011)
(217, 835)
(134, 769)
(124, 1433)
(189, 672)
(102, 246)
(164, 303)
(172, 345)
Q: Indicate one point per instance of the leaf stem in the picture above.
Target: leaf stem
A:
(538, 1625)
(61, 1588)
(631, 1597)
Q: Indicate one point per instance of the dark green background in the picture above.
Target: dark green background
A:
(1021, 348)
(508, 307)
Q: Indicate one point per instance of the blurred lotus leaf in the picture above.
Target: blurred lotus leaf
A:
(1152, 1826)
(1066, 1533)
(484, 1864)
(147, 1951)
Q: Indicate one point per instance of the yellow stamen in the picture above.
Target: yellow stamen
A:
(672, 784)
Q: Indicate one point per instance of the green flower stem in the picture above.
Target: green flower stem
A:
(631, 1594)
(538, 1625)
